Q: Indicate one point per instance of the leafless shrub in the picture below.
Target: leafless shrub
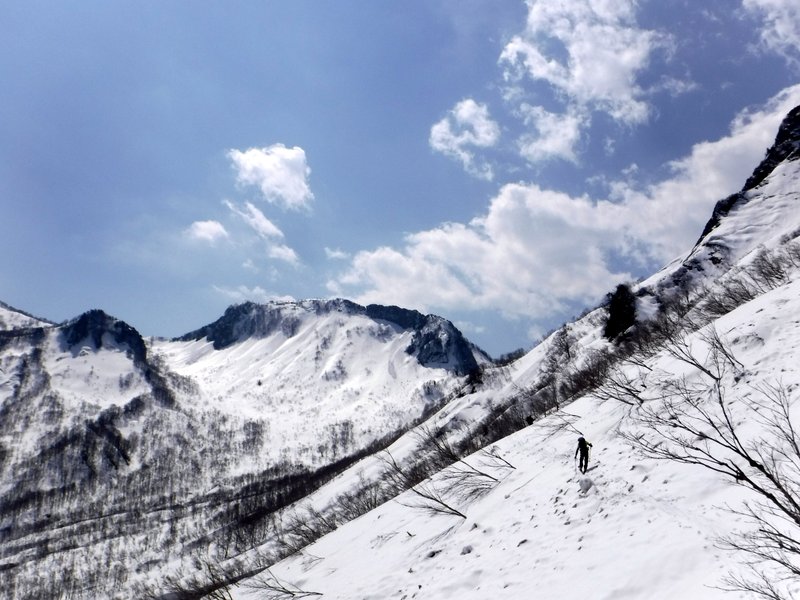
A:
(733, 292)
(768, 268)
(271, 587)
(209, 580)
(366, 497)
(493, 457)
(792, 254)
(694, 422)
(558, 422)
(620, 386)
(301, 527)
(465, 483)
(428, 497)
(441, 453)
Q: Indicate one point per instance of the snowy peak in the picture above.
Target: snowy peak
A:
(435, 342)
(785, 148)
(97, 329)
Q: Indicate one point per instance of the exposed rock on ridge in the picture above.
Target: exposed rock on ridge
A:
(94, 324)
(785, 147)
(436, 341)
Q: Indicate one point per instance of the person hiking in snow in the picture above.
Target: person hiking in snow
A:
(583, 450)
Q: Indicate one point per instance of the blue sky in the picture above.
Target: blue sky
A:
(501, 163)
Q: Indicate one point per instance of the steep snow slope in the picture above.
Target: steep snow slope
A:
(315, 370)
(633, 527)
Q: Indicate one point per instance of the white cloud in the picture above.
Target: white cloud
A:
(668, 216)
(336, 254)
(590, 51)
(267, 231)
(243, 293)
(467, 126)
(535, 250)
(284, 253)
(256, 220)
(208, 231)
(781, 27)
(557, 135)
(280, 173)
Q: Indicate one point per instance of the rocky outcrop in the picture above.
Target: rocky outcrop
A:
(93, 325)
(785, 147)
(436, 342)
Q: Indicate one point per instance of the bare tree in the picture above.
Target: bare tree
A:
(429, 498)
(273, 588)
(697, 422)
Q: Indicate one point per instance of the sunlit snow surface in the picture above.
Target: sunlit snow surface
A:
(642, 529)
(336, 371)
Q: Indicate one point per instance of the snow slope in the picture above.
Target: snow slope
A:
(11, 318)
(164, 460)
(328, 373)
(632, 527)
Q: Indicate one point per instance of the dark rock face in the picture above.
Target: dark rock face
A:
(92, 325)
(436, 342)
(441, 344)
(405, 318)
(237, 323)
(721, 208)
(785, 147)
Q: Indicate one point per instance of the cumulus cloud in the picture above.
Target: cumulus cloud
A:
(532, 250)
(557, 135)
(280, 173)
(781, 26)
(207, 231)
(590, 51)
(284, 253)
(466, 127)
(536, 250)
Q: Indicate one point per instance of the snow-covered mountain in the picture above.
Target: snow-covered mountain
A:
(235, 419)
(325, 448)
